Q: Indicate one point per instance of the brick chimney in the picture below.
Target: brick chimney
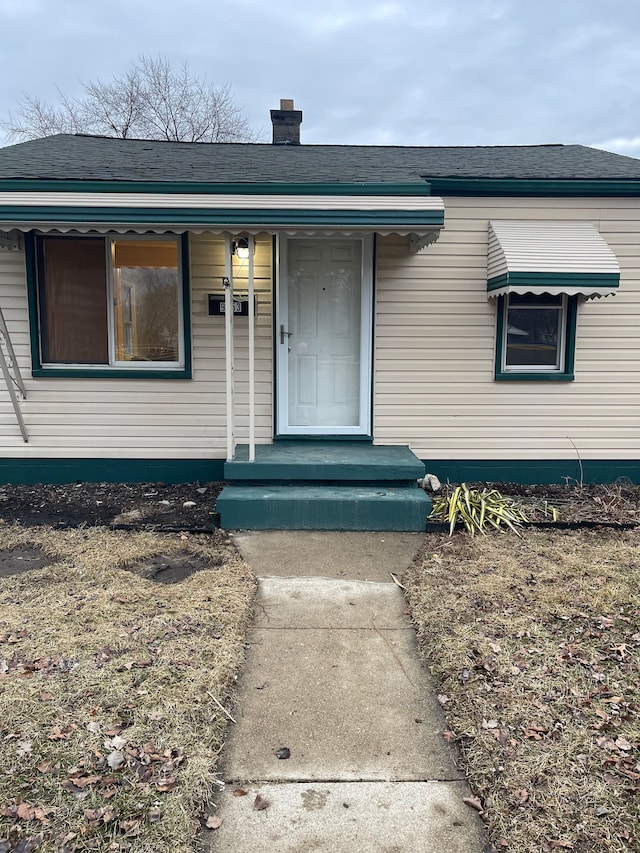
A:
(286, 124)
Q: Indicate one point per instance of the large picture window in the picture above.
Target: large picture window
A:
(111, 304)
(536, 336)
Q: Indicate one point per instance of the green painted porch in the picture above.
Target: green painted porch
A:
(324, 485)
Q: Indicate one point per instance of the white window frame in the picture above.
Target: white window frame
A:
(111, 296)
(562, 311)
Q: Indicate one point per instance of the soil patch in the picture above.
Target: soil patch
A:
(13, 561)
(133, 506)
(175, 567)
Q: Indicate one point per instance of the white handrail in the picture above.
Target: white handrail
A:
(228, 341)
(252, 356)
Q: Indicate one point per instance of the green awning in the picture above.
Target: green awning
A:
(409, 210)
(536, 257)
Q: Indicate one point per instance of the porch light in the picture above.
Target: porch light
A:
(240, 248)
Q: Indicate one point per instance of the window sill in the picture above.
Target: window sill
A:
(534, 377)
(109, 373)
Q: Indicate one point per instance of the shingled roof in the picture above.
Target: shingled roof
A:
(95, 158)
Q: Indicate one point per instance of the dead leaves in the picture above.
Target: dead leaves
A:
(260, 804)
(533, 731)
(62, 733)
(474, 803)
(101, 816)
(23, 810)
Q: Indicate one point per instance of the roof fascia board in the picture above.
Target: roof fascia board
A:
(532, 187)
(330, 189)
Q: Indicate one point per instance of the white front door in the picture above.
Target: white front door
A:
(323, 336)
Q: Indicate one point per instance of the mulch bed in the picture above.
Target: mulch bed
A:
(191, 506)
(589, 505)
(135, 506)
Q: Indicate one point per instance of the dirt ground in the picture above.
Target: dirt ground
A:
(137, 506)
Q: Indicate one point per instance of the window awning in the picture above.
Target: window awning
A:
(550, 257)
(408, 211)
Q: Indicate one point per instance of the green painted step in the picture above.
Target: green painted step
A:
(308, 507)
(287, 461)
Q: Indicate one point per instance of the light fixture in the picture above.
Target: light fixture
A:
(241, 248)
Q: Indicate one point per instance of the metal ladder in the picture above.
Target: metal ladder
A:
(12, 376)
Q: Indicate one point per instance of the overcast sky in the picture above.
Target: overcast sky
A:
(400, 72)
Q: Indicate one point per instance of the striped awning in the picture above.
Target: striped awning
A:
(550, 257)
(409, 211)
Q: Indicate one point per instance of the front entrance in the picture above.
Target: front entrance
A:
(323, 336)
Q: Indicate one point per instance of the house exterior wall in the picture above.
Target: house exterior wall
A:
(154, 418)
(433, 366)
(435, 347)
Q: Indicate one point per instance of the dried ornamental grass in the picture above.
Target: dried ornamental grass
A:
(109, 689)
(477, 510)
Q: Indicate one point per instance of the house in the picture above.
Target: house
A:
(285, 315)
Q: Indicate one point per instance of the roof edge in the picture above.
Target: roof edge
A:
(534, 186)
(114, 186)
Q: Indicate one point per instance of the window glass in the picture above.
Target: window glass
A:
(146, 300)
(534, 332)
(107, 301)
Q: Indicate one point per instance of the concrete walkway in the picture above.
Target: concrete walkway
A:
(332, 675)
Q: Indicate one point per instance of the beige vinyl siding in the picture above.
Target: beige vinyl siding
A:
(434, 359)
(435, 346)
(131, 418)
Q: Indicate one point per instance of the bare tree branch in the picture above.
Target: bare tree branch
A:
(149, 101)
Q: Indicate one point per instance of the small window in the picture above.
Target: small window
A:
(536, 336)
(111, 303)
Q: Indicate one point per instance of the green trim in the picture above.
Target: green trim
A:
(533, 187)
(105, 470)
(200, 188)
(427, 186)
(32, 299)
(535, 377)
(531, 471)
(108, 372)
(219, 216)
(557, 280)
(570, 337)
(277, 438)
(565, 375)
(100, 470)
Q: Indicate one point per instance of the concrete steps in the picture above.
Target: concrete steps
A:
(312, 485)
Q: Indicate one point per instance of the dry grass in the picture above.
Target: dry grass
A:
(110, 732)
(535, 643)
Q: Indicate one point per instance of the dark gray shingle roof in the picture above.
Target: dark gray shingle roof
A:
(101, 158)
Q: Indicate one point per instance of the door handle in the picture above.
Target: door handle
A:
(283, 334)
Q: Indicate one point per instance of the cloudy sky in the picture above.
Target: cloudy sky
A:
(420, 72)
